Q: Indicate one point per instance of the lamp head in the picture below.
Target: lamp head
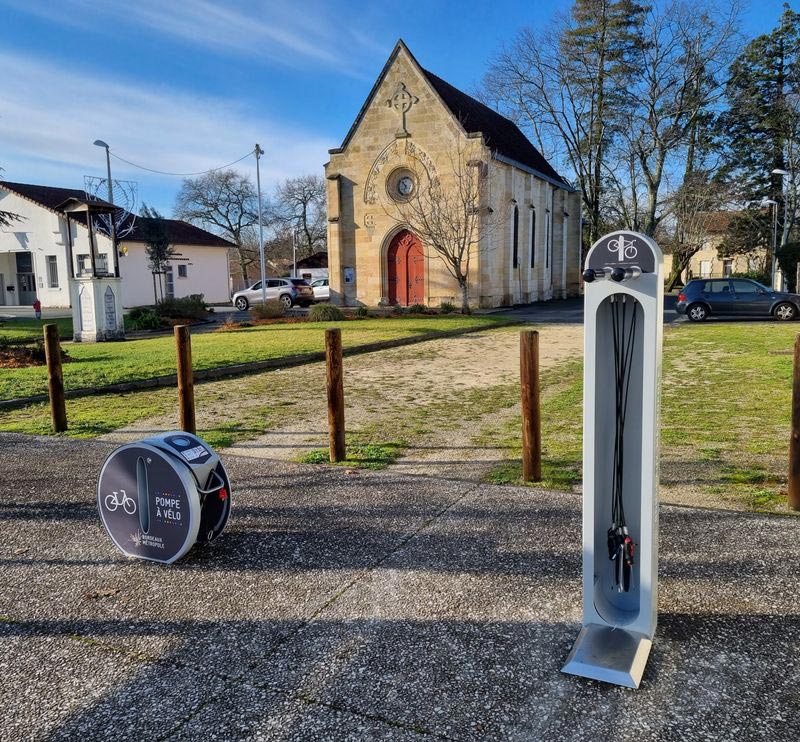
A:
(778, 171)
(100, 143)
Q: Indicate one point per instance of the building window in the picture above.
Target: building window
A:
(183, 271)
(533, 238)
(727, 268)
(548, 237)
(52, 271)
(84, 264)
(101, 262)
(515, 236)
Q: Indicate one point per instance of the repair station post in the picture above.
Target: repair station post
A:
(623, 331)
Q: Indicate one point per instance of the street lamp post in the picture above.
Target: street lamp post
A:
(774, 204)
(112, 216)
(784, 233)
(259, 152)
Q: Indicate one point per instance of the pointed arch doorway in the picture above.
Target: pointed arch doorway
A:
(405, 263)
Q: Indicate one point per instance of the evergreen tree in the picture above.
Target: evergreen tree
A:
(760, 122)
(600, 49)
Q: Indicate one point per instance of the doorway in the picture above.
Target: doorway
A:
(405, 270)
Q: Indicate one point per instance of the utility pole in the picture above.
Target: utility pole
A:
(294, 253)
(259, 152)
(112, 216)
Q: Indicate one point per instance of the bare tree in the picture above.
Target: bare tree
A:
(225, 202)
(564, 85)
(682, 61)
(687, 229)
(450, 214)
(299, 209)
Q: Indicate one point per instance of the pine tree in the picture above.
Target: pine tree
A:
(758, 125)
(600, 51)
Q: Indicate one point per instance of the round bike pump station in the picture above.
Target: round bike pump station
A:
(160, 496)
(623, 330)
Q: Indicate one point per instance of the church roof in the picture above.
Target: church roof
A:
(501, 135)
(51, 197)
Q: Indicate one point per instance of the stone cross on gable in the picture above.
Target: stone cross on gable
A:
(401, 101)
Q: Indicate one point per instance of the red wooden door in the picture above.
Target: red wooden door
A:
(406, 270)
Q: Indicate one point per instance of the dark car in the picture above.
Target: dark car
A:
(734, 297)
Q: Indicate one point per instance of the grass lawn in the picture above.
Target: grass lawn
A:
(31, 329)
(95, 365)
(725, 417)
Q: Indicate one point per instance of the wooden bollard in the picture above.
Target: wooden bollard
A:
(55, 378)
(531, 420)
(333, 363)
(794, 442)
(183, 347)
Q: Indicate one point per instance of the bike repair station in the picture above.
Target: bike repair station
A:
(623, 328)
(161, 496)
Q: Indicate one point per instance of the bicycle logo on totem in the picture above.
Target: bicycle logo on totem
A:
(624, 249)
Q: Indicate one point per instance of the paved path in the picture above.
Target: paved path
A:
(570, 311)
(357, 606)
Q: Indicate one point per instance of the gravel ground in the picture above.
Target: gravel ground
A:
(380, 388)
(357, 605)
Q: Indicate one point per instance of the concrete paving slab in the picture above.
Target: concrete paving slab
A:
(257, 713)
(297, 536)
(376, 606)
(46, 680)
(491, 638)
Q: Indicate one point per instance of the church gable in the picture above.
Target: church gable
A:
(402, 103)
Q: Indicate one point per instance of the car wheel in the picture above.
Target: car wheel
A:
(697, 312)
(286, 300)
(785, 311)
(242, 303)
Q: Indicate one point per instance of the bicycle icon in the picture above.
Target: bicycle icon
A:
(113, 502)
(625, 249)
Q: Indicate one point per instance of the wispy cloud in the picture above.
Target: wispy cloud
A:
(276, 31)
(49, 117)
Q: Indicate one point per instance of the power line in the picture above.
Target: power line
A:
(180, 175)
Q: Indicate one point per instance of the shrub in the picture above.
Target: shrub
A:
(271, 310)
(418, 309)
(362, 312)
(187, 307)
(447, 307)
(326, 313)
(143, 318)
(764, 278)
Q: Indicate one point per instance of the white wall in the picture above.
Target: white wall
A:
(206, 267)
(40, 232)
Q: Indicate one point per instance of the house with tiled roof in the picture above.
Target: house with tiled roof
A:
(50, 243)
(405, 139)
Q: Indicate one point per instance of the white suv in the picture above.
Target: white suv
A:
(289, 291)
(322, 291)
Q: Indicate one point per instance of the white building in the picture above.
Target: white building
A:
(39, 254)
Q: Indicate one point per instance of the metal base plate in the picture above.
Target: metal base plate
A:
(612, 655)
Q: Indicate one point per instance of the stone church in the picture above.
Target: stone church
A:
(409, 132)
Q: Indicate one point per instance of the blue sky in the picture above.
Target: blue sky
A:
(189, 85)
